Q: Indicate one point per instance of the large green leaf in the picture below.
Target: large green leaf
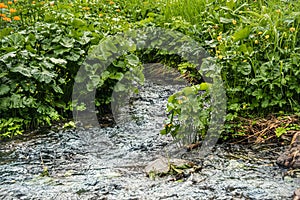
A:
(67, 42)
(59, 50)
(188, 91)
(8, 55)
(58, 61)
(16, 101)
(73, 57)
(241, 34)
(4, 103)
(30, 49)
(47, 64)
(29, 102)
(31, 39)
(57, 89)
(85, 38)
(5, 31)
(245, 69)
(22, 69)
(16, 40)
(43, 76)
(120, 87)
(95, 79)
(109, 46)
(117, 76)
(230, 4)
(57, 39)
(78, 23)
(4, 89)
(3, 74)
(133, 60)
(204, 86)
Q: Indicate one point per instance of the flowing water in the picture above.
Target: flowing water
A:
(108, 163)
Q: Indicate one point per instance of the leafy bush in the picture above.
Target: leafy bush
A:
(43, 44)
(186, 108)
(37, 67)
(255, 43)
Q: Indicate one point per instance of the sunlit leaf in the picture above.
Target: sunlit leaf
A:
(73, 57)
(188, 91)
(20, 68)
(241, 34)
(245, 69)
(117, 76)
(16, 40)
(225, 20)
(78, 23)
(67, 42)
(43, 76)
(133, 59)
(95, 79)
(5, 31)
(4, 89)
(58, 61)
(3, 74)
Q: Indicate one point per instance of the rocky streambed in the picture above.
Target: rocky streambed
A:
(109, 163)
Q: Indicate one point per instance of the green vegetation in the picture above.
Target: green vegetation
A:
(255, 45)
(185, 108)
(43, 44)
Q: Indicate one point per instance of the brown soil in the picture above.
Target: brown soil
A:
(264, 130)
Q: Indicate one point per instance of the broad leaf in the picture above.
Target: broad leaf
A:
(17, 40)
(43, 76)
(4, 89)
(241, 34)
(117, 76)
(133, 60)
(67, 42)
(78, 23)
(73, 57)
(20, 68)
(5, 31)
(58, 61)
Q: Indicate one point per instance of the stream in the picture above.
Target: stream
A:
(109, 163)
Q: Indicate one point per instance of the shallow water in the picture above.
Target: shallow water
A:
(108, 163)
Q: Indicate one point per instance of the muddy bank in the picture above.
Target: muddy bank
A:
(108, 163)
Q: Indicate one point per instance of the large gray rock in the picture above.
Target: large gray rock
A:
(163, 165)
(291, 157)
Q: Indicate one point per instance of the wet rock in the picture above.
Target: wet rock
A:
(163, 165)
(291, 157)
(297, 194)
(159, 166)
